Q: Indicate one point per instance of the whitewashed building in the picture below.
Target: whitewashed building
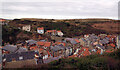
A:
(60, 33)
(26, 28)
(40, 30)
(118, 41)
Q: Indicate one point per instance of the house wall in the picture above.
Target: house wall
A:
(60, 33)
(54, 33)
(40, 31)
(45, 56)
(67, 52)
(70, 51)
(26, 28)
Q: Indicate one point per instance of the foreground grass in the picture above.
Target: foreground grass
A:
(107, 61)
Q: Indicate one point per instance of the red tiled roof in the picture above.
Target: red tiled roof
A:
(86, 53)
(112, 45)
(98, 51)
(48, 53)
(86, 49)
(40, 43)
(33, 47)
(40, 28)
(77, 40)
(1, 20)
(58, 43)
(41, 49)
(47, 44)
(72, 56)
(51, 31)
(110, 50)
(48, 31)
(108, 36)
(59, 31)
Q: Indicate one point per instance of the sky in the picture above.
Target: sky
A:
(59, 9)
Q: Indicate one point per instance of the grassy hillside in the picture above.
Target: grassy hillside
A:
(109, 61)
(71, 28)
(12, 35)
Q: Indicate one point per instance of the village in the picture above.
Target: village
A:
(42, 51)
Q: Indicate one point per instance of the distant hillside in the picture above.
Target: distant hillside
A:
(108, 27)
(71, 27)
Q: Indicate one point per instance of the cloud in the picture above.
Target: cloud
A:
(67, 9)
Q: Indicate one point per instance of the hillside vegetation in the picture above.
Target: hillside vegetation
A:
(72, 27)
(107, 61)
(12, 35)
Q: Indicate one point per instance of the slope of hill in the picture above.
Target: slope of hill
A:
(12, 35)
(72, 27)
(109, 27)
(107, 61)
(93, 62)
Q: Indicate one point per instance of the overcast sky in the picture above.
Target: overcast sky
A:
(60, 9)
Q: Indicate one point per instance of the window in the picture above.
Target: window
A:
(20, 58)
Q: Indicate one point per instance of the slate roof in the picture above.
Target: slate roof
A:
(72, 40)
(21, 49)
(42, 43)
(100, 46)
(104, 41)
(92, 38)
(30, 42)
(16, 56)
(56, 48)
(10, 48)
(68, 39)
(107, 38)
(83, 39)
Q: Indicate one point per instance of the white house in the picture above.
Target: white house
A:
(26, 28)
(60, 33)
(40, 30)
(45, 56)
(118, 41)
